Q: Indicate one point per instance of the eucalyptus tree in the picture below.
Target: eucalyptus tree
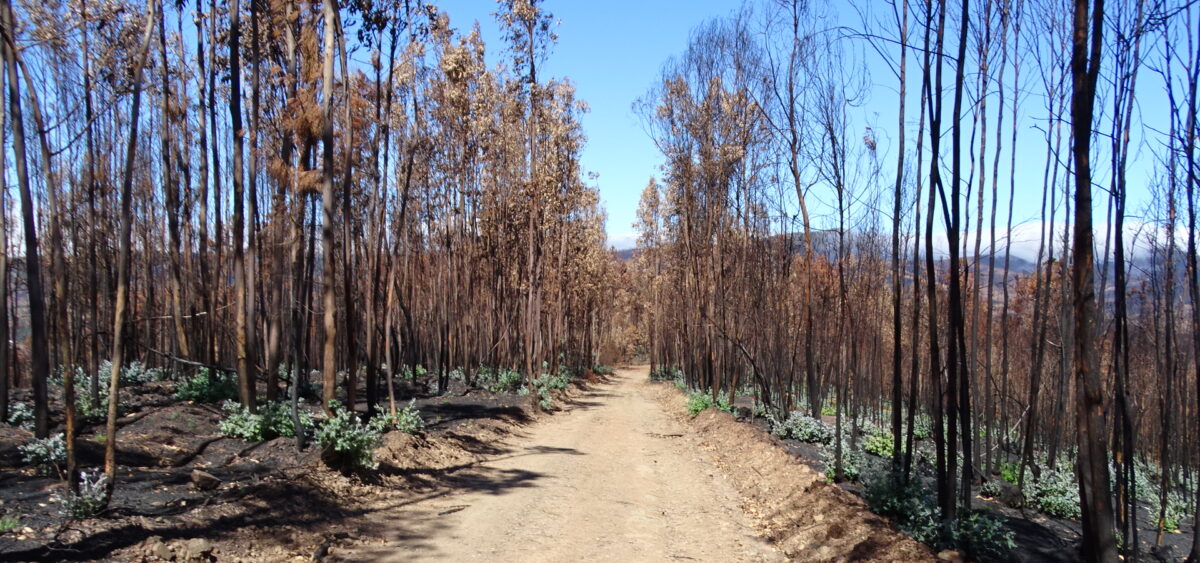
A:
(1099, 544)
(39, 352)
(123, 259)
(329, 13)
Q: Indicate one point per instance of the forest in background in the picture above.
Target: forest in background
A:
(226, 195)
(782, 255)
(221, 192)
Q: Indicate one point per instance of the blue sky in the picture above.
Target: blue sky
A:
(613, 51)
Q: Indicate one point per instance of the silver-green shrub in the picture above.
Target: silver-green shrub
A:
(346, 443)
(272, 420)
(799, 426)
(21, 415)
(46, 455)
(206, 387)
(407, 420)
(853, 462)
(90, 500)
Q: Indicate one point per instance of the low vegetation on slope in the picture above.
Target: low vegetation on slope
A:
(1036, 522)
(806, 517)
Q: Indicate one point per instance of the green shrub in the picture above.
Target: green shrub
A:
(922, 427)
(601, 369)
(1056, 493)
(724, 402)
(346, 443)
(509, 380)
(879, 442)
(829, 410)
(136, 373)
(568, 373)
(498, 380)
(990, 489)
(698, 401)
(410, 372)
(407, 420)
(9, 523)
(21, 415)
(542, 386)
(853, 462)
(1010, 472)
(912, 508)
(46, 455)
(1179, 507)
(133, 373)
(206, 387)
(759, 410)
(1142, 478)
(89, 410)
(89, 501)
(273, 419)
(666, 373)
(982, 536)
(799, 426)
(1180, 499)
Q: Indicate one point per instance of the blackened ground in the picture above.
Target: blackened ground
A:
(1040, 538)
(273, 502)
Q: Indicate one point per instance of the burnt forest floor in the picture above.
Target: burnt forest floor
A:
(1040, 538)
(270, 502)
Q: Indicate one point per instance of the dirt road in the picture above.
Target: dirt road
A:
(609, 480)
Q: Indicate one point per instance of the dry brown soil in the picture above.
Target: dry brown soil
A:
(628, 475)
(613, 479)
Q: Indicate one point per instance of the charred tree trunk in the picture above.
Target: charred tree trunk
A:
(243, 297)
(39, 349)
(328, 206)
(122, 298)
(1095, 502)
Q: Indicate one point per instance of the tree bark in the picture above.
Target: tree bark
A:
(328, 206)
(39, 349)
(243, 297)
(1099, 544)
(897, 287)
(122, 297)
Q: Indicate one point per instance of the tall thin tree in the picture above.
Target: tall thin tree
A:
(1099, 543)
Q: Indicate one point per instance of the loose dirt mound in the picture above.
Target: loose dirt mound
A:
(169, 436)
(806, 517)
(418, 457)
(10, 439)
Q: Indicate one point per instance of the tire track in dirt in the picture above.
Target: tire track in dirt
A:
(612, 479)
